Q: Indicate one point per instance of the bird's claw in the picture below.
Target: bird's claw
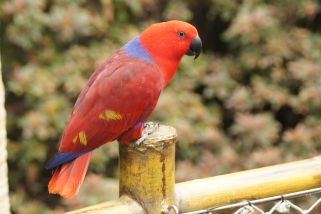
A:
(149, 128)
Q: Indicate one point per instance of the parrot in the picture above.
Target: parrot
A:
(118, 98)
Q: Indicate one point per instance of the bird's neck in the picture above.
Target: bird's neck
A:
(168, 68)
(164, 58)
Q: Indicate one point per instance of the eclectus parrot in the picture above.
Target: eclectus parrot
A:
(119, 97)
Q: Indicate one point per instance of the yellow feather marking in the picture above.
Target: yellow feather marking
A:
(83, 138)
(101, 116)
(75, 139)
(110, 115)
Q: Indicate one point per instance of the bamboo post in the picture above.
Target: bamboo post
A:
(147, 171)
(147, 177)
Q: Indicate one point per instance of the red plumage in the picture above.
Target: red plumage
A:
(66, 179)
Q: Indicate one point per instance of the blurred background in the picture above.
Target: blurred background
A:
(252, 99)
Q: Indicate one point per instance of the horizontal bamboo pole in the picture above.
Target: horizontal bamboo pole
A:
(248, 185)
(147, 181)
(123, 205)
(224, 189)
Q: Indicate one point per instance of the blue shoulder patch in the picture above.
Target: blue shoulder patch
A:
(135, 49)
(63, 157)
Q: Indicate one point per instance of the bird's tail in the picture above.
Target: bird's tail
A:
(67, 178)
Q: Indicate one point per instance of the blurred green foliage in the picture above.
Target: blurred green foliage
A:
(252, 99)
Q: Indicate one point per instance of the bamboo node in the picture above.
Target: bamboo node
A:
(159, 139)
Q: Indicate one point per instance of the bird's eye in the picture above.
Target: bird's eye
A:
(181, 34)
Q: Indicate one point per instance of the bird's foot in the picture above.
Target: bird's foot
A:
(149, 128)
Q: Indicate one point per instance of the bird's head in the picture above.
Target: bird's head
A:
(168, 42)
(172, 39)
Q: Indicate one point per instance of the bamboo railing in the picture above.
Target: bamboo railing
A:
(147, 181)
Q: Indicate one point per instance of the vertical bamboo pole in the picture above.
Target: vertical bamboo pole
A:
(147, 171)
(4, 192)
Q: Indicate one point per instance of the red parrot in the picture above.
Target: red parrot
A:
(119, 97)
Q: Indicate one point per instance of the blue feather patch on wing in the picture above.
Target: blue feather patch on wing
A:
(63, 157)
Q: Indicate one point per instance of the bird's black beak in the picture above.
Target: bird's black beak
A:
(195, 47)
